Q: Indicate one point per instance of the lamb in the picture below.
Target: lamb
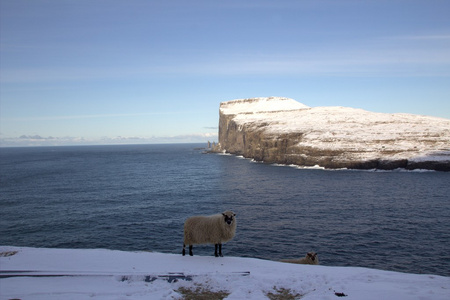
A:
(214, 229)
(311, 258)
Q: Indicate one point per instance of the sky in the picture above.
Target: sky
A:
(79, 72)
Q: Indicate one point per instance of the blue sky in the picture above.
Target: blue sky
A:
(101, 72)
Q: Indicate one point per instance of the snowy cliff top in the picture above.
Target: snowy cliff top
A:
(259, 105)
(106, 274)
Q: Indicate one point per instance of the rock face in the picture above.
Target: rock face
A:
(283, 131)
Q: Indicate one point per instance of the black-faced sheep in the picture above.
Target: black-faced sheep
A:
(311, 258)
(215, 229)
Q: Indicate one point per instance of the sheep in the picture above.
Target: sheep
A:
(214, 229)
(311, 258)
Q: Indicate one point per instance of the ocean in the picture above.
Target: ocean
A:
(136, 198)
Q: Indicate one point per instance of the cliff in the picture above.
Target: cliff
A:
(281, 130)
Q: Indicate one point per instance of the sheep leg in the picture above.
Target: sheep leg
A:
(220, 250)
(184, 249)
(190, 251)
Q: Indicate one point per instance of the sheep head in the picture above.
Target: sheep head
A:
(228, 217)
(312, 256)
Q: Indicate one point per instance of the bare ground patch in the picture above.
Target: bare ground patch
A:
(283, 294)
(8, 253)
(201, 293)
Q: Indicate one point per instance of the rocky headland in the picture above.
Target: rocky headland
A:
(284, 131)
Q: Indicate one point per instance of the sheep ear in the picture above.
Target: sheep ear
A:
(234, 215)
(223, 215)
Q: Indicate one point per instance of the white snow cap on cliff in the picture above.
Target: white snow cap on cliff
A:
(258, 105)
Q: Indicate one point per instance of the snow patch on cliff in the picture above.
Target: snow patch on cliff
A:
(260, 105)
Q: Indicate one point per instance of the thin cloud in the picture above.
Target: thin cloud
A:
(387, 56)
(38, 140)
(94, 116)
(436, 37)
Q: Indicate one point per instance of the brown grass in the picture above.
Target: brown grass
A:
(282, 294)
(8, 253)
(201, 293)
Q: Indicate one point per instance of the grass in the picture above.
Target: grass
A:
(282, 294)
(201, 293)
(8, 253)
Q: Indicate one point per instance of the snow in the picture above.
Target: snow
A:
(363, 135)
(110, 274)
(434, 156)
(260, 105)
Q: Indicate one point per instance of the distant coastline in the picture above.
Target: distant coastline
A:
(283, 131)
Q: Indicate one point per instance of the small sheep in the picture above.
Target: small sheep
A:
(215, 229)
(311, 258)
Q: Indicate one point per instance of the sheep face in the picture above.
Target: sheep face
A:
(228, 217)
(312, 256)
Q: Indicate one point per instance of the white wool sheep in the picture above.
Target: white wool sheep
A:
(311, 258)
(215, 229)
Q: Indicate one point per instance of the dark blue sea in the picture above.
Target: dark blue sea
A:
(136, 197)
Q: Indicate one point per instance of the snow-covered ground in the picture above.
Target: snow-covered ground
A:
(35, 273)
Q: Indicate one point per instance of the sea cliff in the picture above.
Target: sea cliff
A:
(284, 131)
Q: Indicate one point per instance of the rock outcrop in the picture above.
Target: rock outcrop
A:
(283, 131)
